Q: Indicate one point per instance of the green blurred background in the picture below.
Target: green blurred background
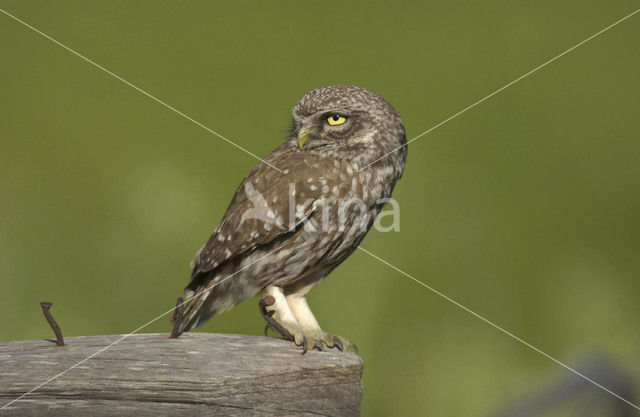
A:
(526, 209)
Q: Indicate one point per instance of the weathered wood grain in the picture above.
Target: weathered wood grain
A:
(197, 374)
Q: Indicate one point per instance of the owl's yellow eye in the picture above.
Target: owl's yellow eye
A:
(336, 119)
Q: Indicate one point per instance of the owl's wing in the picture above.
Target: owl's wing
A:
(260, 210)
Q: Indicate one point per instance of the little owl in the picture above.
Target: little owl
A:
(301, 212)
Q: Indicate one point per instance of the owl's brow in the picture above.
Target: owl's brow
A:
(489, 322)
(135, 87)
(505, 87)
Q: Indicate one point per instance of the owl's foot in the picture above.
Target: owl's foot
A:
(267, 315)
(313, 339)
(318, 339)
(280, 321)
(292, 318)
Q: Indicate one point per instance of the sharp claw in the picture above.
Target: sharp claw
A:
(266, 329)
(304, 345)
(271, 322)
(319, 346)
(338, 344)
(355, 348)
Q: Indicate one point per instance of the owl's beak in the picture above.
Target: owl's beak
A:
(303, 137)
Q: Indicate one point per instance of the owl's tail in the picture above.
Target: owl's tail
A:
(197, 308)
(208, 294)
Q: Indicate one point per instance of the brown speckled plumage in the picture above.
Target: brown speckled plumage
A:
(295, 251)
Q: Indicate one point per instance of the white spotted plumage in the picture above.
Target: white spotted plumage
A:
(294, 254)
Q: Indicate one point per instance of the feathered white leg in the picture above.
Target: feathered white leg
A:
(278, 309)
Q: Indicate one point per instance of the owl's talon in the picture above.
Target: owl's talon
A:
(266, 329)
(268, 301)
(342, 344)
(338, 344)
(346, 344)
(303, 344)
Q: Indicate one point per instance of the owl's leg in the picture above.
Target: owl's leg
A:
(315, 336)
(278, 310)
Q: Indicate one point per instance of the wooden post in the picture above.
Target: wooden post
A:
(196, 374)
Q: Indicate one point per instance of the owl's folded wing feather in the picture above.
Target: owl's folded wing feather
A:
(262, 209)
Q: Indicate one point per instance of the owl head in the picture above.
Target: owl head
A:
(349, 123)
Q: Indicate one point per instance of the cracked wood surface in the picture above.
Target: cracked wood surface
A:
(197, 374)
